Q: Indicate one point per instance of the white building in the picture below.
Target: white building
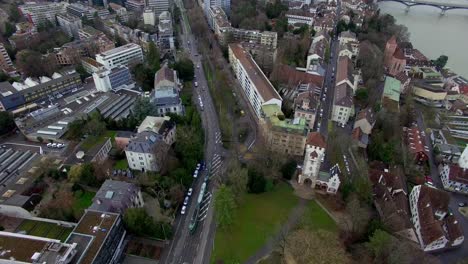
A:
(116, 79)
(253, 81)
(454, 178)
(300, 18)
(39, 13)
(346, 37)
(435, 227)
(158, 6)
(343, 107)
(165, 95)
(149, 17)
(161, 125)
(69, 24)
(146, 152)
(313, 158)
(128, 54)
(463, 160)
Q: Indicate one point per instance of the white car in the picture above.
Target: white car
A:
(195, 174)
(182, 211)
(198, 166)
(189, 193)
(198, 66)
(186, 200)
(49, 145)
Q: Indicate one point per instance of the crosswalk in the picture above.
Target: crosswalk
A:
(205, 204)
(218, 139)
(215, 164)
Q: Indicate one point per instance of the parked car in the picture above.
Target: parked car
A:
(189, 192)
(182, 211)
(462, 204)
(186, 200)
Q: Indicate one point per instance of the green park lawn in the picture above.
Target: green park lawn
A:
(258, 218)
(44, 229)
(83, 199)
(92, 141)
(316, 218)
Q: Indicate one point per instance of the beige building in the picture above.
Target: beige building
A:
(430, 94)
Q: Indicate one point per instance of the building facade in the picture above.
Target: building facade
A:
(343, 107)
(313, 158)
(149, 17)
(158, 6)
(6, 64)
(40, 13)
(126, 55)
(69, 24)
(146, 152)
(253, 81)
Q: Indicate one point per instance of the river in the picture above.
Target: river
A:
(433, 34)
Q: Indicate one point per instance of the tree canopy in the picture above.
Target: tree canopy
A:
(441, 62)
(6, 122)
(224, 205)
(185, 69)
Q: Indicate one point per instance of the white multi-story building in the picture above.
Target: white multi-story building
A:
(224, 4)
(253, 81)
(39, 13)
(435, 227)
(343, 106)
(298, 18)
(149, 17)
(463, 160)
(146, 152)
(454, 178)
(158, 6)
(128, 54)
(5, 61)
(347, 37)
(69, 24)
(313, 158)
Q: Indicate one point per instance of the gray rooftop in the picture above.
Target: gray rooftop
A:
(144, 142)
(114, 196)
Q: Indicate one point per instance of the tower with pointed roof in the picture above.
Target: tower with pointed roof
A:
(314, 154)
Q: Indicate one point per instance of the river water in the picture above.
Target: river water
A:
(434, 34)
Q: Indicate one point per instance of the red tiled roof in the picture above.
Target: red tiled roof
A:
(164, 74)
(316, 139)
(458, 174)
(453, 228)
(286, 74)
(399, 54)
(367, 114)
(392, 40)
(415, 141)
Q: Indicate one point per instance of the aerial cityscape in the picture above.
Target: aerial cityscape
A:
(233, 131)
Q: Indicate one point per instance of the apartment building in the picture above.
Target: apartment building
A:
(80, 10)
(158, 6)
(6, 64)
(225, 5)
(114, 79)
(69, 24)
(298, 18)
(161, 125)
(436, 228)
(285, 136)
(343, 107)
(117, 197)
(264, 56)
(165, 31)
(306, 106)
(146, 151)
(135, 5)
(98, 38)
(72, 52)
(256, 86)
(39, 13)
(219, 23)
(91, 65)
(128, 54)
(149, 17)
(13, 96)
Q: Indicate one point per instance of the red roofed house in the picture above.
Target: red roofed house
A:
(416, 144)
(363, 125)
(435, 228)
(394, 57)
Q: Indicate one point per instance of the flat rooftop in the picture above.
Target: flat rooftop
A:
(94, 225)
(119, 49)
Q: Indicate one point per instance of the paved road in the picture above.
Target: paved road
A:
(457, 254)
(186, 247)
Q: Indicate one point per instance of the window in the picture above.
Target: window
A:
(142, 163)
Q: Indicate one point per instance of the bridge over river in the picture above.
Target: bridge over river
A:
(442, 5)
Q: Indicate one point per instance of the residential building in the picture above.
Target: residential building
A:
(306, 106)
(19, 248)
(450, 153)
(99, 236)
(454, 178)
(394, 57)
(160, 125)
(435, 227)
(329, 182)
(158, 6)
(117, 197)
(165, 31)
(118, 78)
(285, 136)
(80, 10)
(429, 94)
(256, 86)
(146, 152)
(13, 96)
(6, 64)
(427, 74)
(166, 92)
(87, 32)
(135, 5)
(40, 13)
(344, 73)
(298, 18)
(319, 45)
(391, 94)
(69, 24)
(347, 37)
(390, 198)
(91, 65)
(365, 121)
(72, 52)
(416, 143)
(343, 107)
(219, 23)
(120, 11)
(149, 17)
(463, 161)
(122, 139)
(127, 55)
(224, 5)
(313, 158)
